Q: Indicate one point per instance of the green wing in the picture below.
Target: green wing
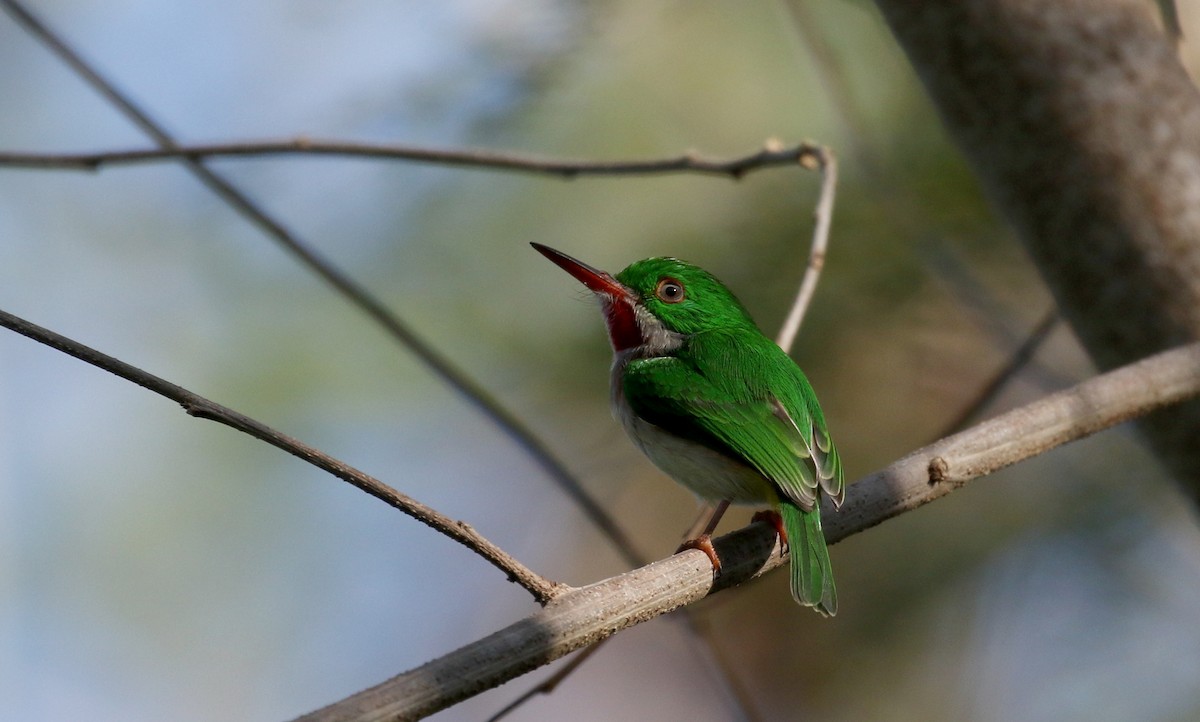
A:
(736, 392)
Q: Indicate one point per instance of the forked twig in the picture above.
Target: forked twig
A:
(541, 588)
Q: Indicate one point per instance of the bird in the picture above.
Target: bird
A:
(718, 406)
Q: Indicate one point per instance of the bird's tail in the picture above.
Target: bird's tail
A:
(812, 575)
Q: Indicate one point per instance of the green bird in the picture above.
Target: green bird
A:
(718, 406)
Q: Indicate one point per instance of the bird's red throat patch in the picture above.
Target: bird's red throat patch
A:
(623, 329)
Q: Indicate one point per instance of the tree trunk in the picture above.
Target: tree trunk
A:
(1085, 131)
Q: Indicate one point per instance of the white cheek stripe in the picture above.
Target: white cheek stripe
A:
(658, 340)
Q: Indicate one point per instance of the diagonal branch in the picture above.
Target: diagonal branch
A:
(357, 295)
(1017, 361)
(541, 588)
(772, 155)
(583, 616)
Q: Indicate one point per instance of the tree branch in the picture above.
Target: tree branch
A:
(541, 588)
(583, 616)
(773, 155)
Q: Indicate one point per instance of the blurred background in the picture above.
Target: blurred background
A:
(153, 566)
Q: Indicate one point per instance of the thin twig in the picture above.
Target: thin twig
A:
(1019, 359)
(772, 155)
(541, 588)
(704, 645)
(949, 270)
(357, 295)
(583, 616)
(821, 158)
(551, 683)
(548, 685)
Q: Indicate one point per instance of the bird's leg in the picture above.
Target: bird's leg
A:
(707, 519)
(703, 540)
(773, 518)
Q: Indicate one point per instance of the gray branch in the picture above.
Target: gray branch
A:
(584, 616)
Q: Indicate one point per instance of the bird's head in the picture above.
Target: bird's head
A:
(656, 301)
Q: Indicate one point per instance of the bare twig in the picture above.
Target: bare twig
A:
(822, 159)
(549, 684)
(1019, 359)
(949, 270)
(583, 616)
(357, 295)
(541, 588)
(770, 156)
(705, 648)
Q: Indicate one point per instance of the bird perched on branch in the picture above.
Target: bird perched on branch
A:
(718, 406)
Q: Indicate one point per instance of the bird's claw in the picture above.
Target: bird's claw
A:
(774, 519)
(704, 544)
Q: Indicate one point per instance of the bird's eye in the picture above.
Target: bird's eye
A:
(669, 291)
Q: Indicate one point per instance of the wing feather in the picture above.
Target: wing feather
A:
(736, 392)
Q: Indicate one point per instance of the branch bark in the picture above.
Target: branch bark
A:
(584, 616)
(1085, 131)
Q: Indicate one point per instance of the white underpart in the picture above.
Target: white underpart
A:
(709, 474)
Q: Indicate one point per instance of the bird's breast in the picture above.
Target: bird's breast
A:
(708, 473)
